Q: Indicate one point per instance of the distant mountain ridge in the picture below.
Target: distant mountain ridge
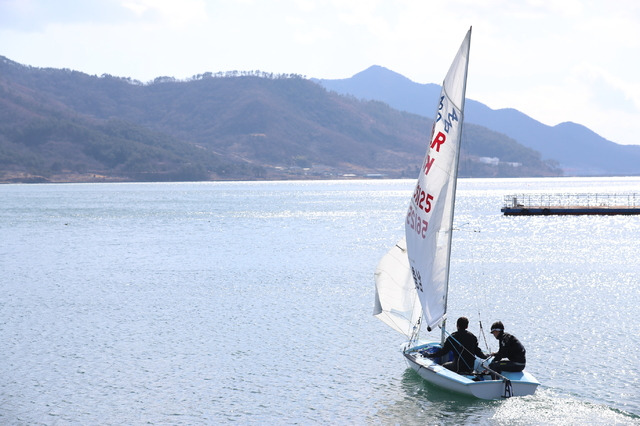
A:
(59, 125)
(578, 150)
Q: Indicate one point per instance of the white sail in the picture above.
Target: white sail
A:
(397, 303)
(430, 215)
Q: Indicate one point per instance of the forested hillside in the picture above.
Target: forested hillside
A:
(63, 125)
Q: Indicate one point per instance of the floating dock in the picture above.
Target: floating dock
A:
(571, 204)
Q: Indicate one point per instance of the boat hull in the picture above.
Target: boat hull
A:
(518, 384)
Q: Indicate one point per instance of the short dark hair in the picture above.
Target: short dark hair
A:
(463, 323)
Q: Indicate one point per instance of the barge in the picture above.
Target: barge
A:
(571, 204)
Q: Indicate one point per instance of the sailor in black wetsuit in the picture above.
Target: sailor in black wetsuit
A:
(510, 348)
(464, 346)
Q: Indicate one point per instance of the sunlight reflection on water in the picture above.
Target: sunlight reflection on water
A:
(251, 302)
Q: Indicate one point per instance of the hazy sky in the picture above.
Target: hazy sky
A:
(555, 60)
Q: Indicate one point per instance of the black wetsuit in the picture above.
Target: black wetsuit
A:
(464, 346)
(511, 348)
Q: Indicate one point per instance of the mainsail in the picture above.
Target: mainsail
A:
(412, 277)
(430, 215)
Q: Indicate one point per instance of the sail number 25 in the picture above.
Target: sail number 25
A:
(422, 201)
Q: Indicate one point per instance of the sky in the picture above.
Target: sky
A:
(554, 60)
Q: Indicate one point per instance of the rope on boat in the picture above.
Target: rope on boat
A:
(508, 389)
(470, 367)
(416, 331)
(482, 332)
(482, 294)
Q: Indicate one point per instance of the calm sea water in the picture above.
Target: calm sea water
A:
(208, 303)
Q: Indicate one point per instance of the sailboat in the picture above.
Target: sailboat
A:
(412, 279)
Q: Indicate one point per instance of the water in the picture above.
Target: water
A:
(208, 303)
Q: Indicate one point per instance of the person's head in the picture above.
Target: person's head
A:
(497, 329)
(463, 323)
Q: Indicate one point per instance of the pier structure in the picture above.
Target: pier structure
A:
(571, 204)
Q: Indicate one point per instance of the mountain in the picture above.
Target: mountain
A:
(64, 125)
(577, 150)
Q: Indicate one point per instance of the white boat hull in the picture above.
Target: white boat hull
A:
(518, 384)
